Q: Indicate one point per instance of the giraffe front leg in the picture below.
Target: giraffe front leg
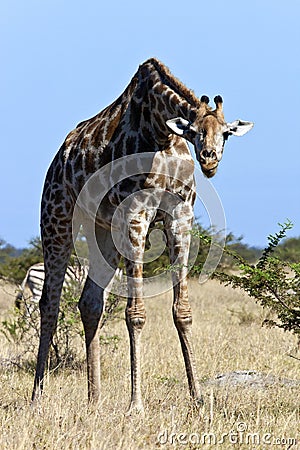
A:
(179, 243)
(135, 320)
(104, 260)
(132, 239)
(91, 308)
(182, 316)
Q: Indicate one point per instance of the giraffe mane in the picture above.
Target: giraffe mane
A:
(173, 82)
(167, 78)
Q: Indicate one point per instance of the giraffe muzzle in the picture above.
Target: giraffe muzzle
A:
(209, 162)
(209, 172)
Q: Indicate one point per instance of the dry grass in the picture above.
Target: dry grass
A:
(227, 335)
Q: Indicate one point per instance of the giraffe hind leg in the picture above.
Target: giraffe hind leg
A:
(56, 257)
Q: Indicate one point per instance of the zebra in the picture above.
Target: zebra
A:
(75, 277)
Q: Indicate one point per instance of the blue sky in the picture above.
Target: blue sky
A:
(63, 61)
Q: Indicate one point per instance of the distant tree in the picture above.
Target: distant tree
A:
(250, 254)
(289, 250)
(232, 243)
(15, 263)
(156, 243)
(81, 248)
(14, 268)
(7, 251)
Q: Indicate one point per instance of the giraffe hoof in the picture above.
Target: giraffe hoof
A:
(198, 402)
(135, 410)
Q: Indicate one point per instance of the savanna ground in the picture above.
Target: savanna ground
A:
(228, 336)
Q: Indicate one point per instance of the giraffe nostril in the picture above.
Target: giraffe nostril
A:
(205, 154)
(208, 154)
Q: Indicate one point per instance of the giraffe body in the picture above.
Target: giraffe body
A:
(146, 127)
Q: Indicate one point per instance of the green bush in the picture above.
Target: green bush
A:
(273, 283)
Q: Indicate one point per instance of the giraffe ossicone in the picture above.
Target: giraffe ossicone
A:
(101, 180)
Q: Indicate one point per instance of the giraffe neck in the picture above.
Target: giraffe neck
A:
(158, 97)
(133, 123)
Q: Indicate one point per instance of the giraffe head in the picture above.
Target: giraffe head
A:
(208, 133)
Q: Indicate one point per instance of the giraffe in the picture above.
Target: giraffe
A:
(155, 116)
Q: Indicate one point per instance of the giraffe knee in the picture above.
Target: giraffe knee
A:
(138, 322)
(135, 319)
(182, 319)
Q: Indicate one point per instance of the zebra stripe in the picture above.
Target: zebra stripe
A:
(35, 276)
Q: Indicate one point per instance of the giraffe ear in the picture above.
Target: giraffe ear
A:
(180, 126)
(239, 127)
